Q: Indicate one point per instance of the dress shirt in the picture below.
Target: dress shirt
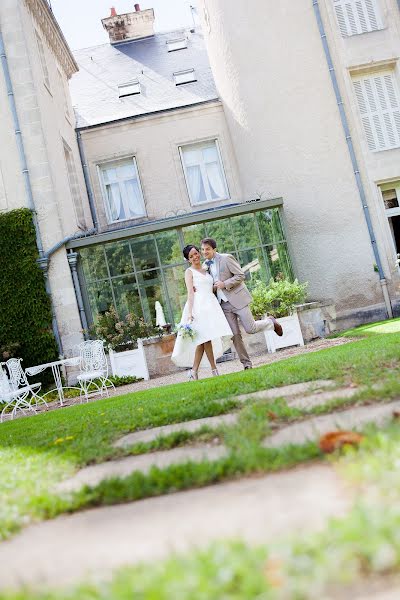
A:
(213, 270)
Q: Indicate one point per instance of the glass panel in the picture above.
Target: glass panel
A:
(279, 261)
(390, 199)
(175, 280)
(252, 263)
(127, 296)
(194, 234)
(133, 196)
(119, 258)
(100, 297)
(93, 263)
(245, 231)
(169, 247)
(115, 204)
(221, 231)
(151, 290)
(126, 171)
(270, 226)
(210, 154)
(196, 184)
(144, 252)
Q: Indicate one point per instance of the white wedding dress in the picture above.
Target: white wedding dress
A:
(209, 323)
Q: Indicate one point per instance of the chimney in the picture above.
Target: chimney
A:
(129, 26)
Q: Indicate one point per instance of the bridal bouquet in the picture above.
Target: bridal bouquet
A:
(185, 331)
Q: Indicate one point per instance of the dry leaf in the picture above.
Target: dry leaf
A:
(271, 415)
(396, 414)
(333, 440)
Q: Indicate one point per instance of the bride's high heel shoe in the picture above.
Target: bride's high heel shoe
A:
(214, 372)
(193, 375)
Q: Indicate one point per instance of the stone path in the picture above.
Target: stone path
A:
(288, 391)
(352, 418)
(149, 435)
(322, 397)
(93, 542)
(123, 467)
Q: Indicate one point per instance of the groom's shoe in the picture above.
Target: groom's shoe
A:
(277, 326)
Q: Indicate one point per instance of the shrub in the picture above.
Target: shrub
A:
(25, 316)
(122, 334)
(278, 298)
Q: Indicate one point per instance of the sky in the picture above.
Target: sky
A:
(80, 20)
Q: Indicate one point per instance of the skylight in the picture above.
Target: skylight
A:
(129, 89)
(186, 76)
(177, 44)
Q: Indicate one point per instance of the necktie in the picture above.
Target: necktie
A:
(209, 262)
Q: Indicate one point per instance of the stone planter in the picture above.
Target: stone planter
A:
(292, 335)
(129, 362)
(158, 351)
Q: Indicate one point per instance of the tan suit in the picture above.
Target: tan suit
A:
(228, 270)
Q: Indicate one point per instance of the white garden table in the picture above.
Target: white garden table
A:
(56, 368)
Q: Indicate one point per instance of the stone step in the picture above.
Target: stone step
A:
(312, 429)
(123, 467)
(258, 510)
(320, 398)
(149, 435)
(287, 391)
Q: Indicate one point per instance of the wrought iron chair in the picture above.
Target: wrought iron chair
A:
(93, 366)
(13, 397)
(18, 379)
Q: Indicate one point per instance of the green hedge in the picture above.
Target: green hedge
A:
(25, 315)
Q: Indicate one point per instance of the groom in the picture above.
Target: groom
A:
(234, 297)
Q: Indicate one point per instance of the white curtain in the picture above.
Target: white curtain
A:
(195, 184)
(134, 198)
(114, 201)
(217, 186)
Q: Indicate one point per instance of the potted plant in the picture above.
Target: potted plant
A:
(124, 340)
(279, 298)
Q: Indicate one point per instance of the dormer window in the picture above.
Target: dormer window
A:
(177, 44)
(129, 89)
(187, 76)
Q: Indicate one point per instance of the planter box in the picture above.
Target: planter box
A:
(292, 335)
(130, 362)
(158, 351)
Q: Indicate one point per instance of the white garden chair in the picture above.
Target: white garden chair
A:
(15, 397)
(93, 366)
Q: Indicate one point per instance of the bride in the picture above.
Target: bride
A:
(202, 311)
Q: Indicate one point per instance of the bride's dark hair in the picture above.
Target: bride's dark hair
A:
(187, 249)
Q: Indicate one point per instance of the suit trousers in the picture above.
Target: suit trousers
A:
(232, 315)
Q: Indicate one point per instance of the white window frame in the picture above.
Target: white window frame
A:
(131, 88)
(177, 44)
(119, 161)
(43, 62)
(391, 212)
(385, 117)
(354, 17)
(204, 143)
(186, 76)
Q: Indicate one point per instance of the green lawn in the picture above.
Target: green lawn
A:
(37, 452)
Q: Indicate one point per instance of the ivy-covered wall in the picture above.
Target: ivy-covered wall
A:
(25, 313)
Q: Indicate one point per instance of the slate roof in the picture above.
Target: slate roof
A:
(94, 89)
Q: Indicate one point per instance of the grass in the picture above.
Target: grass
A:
(39, 451)
(363, 545)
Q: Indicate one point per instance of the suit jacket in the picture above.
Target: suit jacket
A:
(230, 272)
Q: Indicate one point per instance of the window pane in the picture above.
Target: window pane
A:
(210, 153)
(169, 247)
(221, 231)
(216, 181)
(127, 296)
(127, 170)
(151, 291)
(245, 231)
(270, 226)
(119, 258)
(93, 263)
(193, 234)
(134, 201)
(279, 262)
(252, 263)
(144, 252)
(100, 297)
(175, 280)
(390, 199)
(115, 204)
(196, 184)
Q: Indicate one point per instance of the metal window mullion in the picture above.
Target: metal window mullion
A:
(164, 283)
(110, 279)
(266, 263)
(135, 271)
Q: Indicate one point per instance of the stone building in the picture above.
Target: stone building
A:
(255, 138)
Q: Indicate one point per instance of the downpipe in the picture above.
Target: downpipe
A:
(353, 158)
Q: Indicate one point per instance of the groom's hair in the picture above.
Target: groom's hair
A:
(210, 242)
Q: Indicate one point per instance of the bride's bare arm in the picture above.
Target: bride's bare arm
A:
(190, 290)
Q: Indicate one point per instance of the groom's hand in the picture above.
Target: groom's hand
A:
(219, 285)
